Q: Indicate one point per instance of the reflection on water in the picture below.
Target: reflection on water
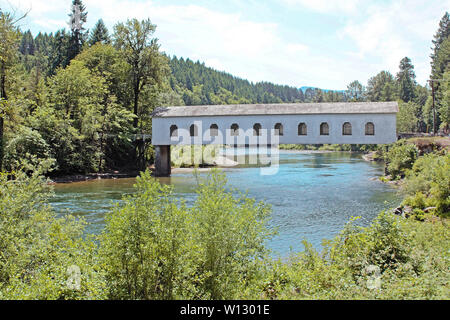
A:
(313, 195)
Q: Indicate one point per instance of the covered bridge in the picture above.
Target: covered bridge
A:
(271, 124)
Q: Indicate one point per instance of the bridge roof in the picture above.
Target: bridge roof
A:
(277, 109)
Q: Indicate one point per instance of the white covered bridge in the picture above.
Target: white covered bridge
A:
(271, 124)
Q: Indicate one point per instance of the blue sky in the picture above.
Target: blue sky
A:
(321, 43)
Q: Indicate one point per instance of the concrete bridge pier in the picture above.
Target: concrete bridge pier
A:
(162, 161)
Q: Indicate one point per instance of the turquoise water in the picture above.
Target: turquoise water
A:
(313, 195)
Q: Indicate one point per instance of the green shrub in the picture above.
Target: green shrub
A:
(229, 233)
(145, 243)
(418, 201)
(400, 158)
(154, 247)
(38, 250)
(430, 179)
(26, 150)
(393, 258)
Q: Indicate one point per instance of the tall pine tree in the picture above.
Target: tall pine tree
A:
(406, 80)
(440, 59)
(381, 87)
(99, 34)
(441, 35)
(78, 17)
(59, 48)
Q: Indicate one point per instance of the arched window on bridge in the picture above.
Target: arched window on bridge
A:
(173, 131)
(214, 130)
(193, 130)
(257, 129)
(234, 129)
(347, 129)
(278, 129)
(324, 129)
(370, 129)
(302, 129)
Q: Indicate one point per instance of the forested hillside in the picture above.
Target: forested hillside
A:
(80, 100)
(198, 84)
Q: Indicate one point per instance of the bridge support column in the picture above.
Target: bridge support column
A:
(162, 161)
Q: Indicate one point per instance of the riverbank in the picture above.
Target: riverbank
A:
(421, 168)
(93, 176)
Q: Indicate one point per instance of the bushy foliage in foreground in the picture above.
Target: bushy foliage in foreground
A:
(425, 178)
(394, 258)
(428, 184)
(42, 256)
(400, 158)
(157, 247)
(154, 247)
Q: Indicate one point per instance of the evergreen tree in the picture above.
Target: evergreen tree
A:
(27, 46)
(441, 35)
(99, 34)
(59, 48)
(406, 80)
(381, 87)
(440, 63)
(42, 43)
(309, 94)
(78, 17)
(355, 91)
(444, 109)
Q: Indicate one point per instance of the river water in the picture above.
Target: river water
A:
(313, 195)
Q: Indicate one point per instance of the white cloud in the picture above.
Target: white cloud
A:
(392, 31)
(328, 6)
(225, 41)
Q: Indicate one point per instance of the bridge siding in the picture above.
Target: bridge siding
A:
(385, 128)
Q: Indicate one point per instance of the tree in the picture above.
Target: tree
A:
(106, 63)
(99, 34)
(381, 87)
(9, 37)
(83, 112)
(141, 51)
(444, 110)
(442, 66)
(26, 150)
(78, 17)
(148, 67)
(59, 48)
(406, 80)
(441, 35)
(27, 46)
(407, 120)
(355, 91)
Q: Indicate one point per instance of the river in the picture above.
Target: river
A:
(313, 195)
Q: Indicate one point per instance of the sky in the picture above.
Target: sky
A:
(319, 43)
